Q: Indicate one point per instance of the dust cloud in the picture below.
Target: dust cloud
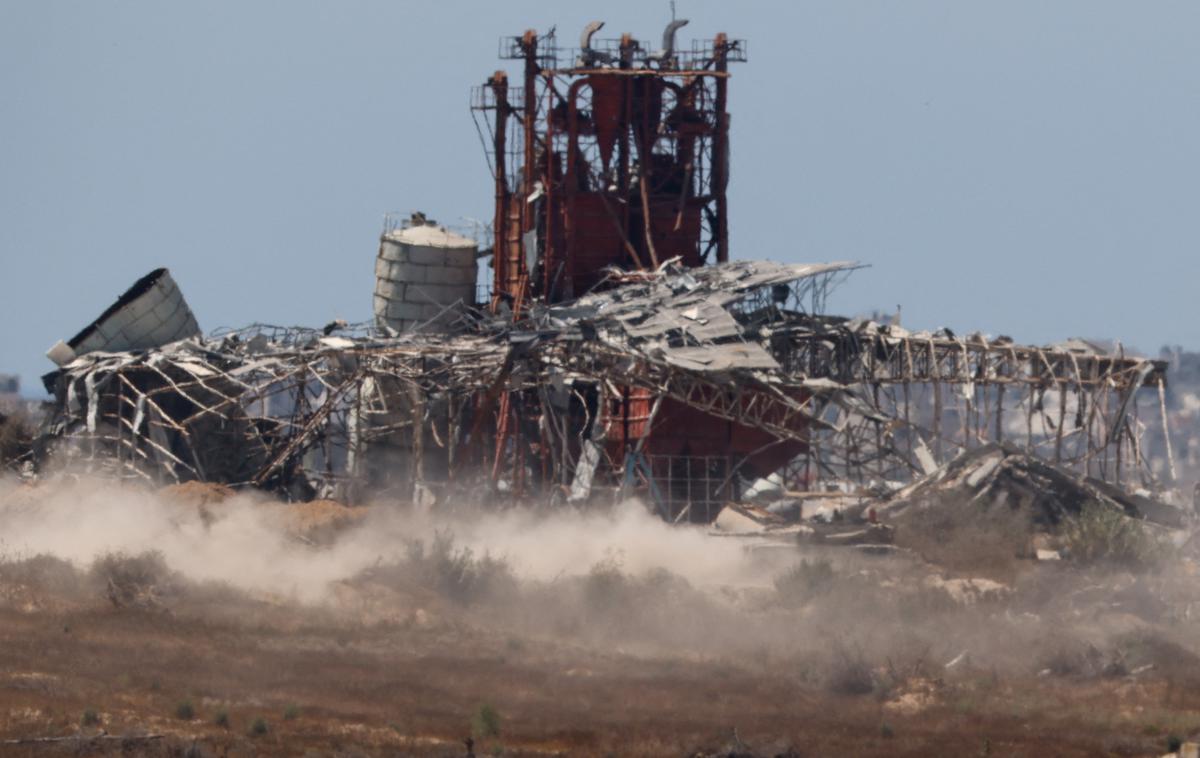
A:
(619, 578)
(247, 541)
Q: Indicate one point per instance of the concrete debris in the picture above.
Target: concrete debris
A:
(744, 520)
(870, 534)
(970, 591)
(962, 658)
(767, 486)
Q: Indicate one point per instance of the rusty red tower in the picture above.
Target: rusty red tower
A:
(607, 155)
(610, 154)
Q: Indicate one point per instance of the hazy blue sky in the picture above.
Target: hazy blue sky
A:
(1025, 168)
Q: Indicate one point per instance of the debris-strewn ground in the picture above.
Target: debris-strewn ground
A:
(823, 651)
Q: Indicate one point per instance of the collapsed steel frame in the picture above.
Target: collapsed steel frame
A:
(943, 395)
(279, 408)
(347, 410)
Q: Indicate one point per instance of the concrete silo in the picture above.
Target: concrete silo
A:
(424, 274)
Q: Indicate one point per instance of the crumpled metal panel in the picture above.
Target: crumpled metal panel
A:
(149, 314)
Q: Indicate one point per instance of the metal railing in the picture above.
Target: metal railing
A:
(684, 488)
(550, 55)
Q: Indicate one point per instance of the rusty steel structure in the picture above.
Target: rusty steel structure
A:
(610, 156)
(606, 155)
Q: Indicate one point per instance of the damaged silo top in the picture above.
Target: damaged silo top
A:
(429, 234)
(149, 314)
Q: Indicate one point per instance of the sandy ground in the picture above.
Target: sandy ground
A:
(405, 689)
(415, 653)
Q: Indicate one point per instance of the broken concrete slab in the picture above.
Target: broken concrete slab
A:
(746, 519)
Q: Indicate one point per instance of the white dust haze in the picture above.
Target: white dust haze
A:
(244, 540)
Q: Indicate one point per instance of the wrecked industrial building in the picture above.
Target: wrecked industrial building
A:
(619, 350)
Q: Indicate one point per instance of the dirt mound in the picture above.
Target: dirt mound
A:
(197, 496)
(197, 493)
(319, 521)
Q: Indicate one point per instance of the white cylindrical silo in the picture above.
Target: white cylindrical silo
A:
(424, 274)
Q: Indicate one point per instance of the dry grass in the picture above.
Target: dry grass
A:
(1102, 535)
(968, 537)
(257, 675)
(804, 581)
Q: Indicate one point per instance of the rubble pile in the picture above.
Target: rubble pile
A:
(1000, 474)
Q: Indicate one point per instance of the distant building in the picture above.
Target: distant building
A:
(10, 394)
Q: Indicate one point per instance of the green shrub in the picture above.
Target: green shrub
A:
(849, 673)
(291, 712)
(804, 581)
(459, 574)
(42, 575)
(258, 727)
(185, 711)
(1104, 535)
(221, 718)
(606, 586)
(133, 580)
(486, 722)
(89, 718)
